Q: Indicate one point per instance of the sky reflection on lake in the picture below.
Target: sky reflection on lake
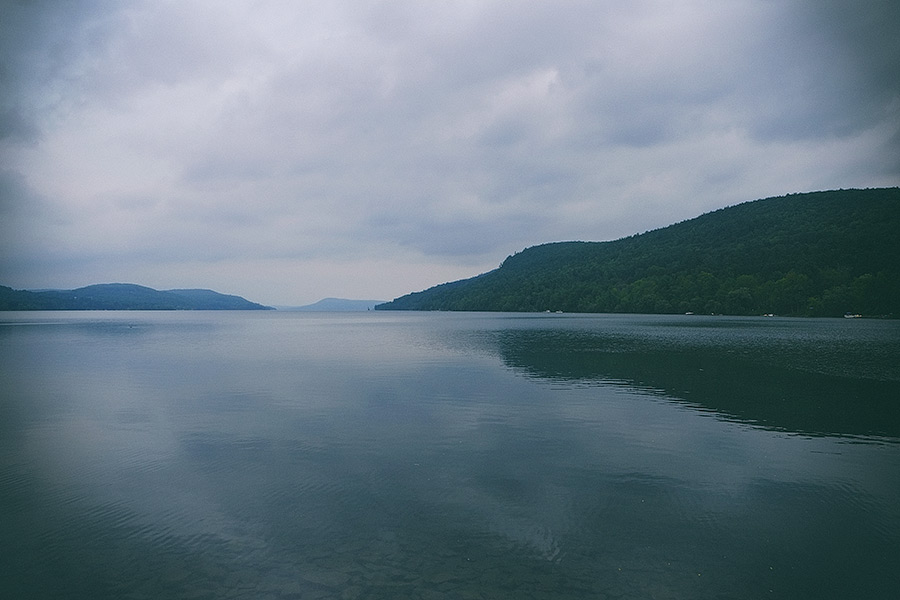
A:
(413, 455)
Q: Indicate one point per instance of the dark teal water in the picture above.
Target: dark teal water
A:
(436, 455)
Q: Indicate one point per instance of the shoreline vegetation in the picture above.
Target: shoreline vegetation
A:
(820, 254)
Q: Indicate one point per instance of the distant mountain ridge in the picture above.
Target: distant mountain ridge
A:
(814, 254)
(122, 296)
(335, 305)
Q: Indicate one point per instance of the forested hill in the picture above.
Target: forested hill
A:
(122, 296)
(816, 254)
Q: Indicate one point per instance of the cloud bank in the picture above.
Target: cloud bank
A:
(290, 151)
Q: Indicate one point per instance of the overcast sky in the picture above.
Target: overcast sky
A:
(290, 150)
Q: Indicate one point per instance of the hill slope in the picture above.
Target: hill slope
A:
(815, 254)
(122, 296)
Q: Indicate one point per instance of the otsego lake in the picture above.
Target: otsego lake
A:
(273, 455)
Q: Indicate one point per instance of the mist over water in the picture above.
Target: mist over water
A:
(425, 455)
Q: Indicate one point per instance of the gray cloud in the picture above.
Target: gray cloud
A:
(286, 151)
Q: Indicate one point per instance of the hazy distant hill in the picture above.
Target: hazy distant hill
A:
(816, 254)
(336, 305)
(122, 296)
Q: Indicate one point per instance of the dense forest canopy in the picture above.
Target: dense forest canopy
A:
(815, 254)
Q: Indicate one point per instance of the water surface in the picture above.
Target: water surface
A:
(439, 455)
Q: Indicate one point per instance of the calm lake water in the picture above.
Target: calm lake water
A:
(440, 456)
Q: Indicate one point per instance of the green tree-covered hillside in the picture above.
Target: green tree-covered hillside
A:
(122, 296)
(816, 254)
